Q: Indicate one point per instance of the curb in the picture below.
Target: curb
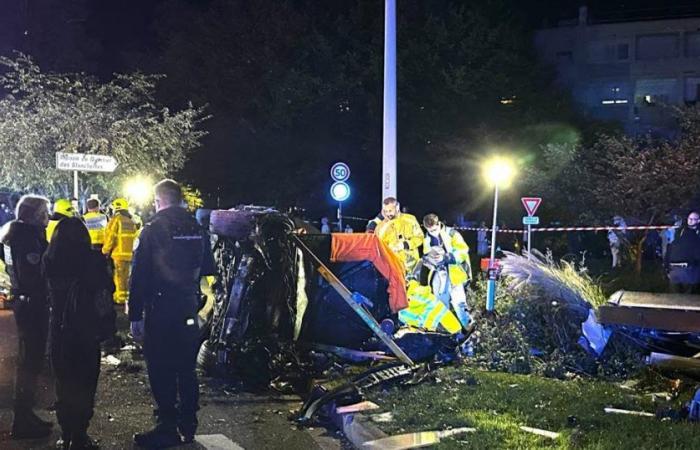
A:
(356, 427)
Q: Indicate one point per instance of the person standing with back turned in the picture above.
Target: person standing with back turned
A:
(170, 256)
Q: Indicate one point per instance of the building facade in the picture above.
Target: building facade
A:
(629, 72)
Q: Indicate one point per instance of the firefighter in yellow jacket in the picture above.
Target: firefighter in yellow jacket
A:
(119, 244)
(447, 255)
(401, 232)
(96, 223)
(62, 208)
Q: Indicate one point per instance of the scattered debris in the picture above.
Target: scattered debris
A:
(357, 407)
(540, 432)
(110, 360)
(628, 412)
(415, 440)
(383, 417)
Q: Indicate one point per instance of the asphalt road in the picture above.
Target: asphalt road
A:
(230, 418)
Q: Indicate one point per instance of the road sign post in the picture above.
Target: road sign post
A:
(340, 191)
(531, 204)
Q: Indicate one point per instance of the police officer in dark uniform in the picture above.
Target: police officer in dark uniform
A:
(170, 256)
(24, 243)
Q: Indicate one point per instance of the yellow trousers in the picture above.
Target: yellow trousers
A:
(122, 270)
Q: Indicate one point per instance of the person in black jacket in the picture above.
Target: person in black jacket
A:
(24, 243)
(77, 275)
(170, 256)
(683, 258)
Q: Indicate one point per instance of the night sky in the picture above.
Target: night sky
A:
(103, 37)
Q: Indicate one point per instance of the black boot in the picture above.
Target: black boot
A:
(26, 425)
(162, 436)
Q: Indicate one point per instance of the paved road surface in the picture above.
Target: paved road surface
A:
(229, 418)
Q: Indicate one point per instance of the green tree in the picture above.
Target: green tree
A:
(44, 113)
(641, 179)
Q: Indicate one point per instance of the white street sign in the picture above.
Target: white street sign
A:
(531, 220)
(82, 162)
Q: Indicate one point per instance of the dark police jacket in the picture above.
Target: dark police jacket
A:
(170, 256)
(685, 248)
(23, 247)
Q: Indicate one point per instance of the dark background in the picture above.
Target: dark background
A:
(293, 86)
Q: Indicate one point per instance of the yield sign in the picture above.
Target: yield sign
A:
(531, 204)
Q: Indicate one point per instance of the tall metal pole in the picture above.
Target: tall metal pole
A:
(491, 284)
(389, 142)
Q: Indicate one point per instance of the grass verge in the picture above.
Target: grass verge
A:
(497, 404)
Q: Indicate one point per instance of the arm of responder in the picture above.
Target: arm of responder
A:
(141, 275)
(415, 240)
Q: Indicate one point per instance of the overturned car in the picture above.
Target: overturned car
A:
(284, 295)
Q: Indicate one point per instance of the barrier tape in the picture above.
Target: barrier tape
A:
(519, 231)
(548, 229)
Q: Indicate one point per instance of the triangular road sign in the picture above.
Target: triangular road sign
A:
(531, 204)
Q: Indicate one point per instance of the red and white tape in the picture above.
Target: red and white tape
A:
(630, 228)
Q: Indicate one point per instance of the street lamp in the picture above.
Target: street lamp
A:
(138, 190)
(498, 172)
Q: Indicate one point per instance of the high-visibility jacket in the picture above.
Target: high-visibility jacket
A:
(53, 223)
(119, 237)
(403, 235)
(456, 250)
(50, 228)
(96, 223)
(427, 312)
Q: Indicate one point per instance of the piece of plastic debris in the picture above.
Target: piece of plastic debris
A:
(628, 412)
(357, 407)
(595, 336)
(540, 432)
(415, 440)
(383, 417)
(694, 407)
(110, 360)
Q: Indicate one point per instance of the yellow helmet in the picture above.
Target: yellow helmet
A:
(64, 207)
(120, 203)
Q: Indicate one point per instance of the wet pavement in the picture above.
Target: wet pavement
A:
(230, 418)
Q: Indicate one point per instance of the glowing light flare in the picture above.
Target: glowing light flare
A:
(138, 190)
(340, 191)
(499, 171)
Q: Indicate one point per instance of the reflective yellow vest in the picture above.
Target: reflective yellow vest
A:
(404, 236)
(427, 312)
(119, 238)
(96, 223)
(453, 243)
(50, 228)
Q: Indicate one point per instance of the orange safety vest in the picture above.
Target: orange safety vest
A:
(119, 237)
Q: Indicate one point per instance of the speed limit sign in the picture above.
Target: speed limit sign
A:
(340, 172)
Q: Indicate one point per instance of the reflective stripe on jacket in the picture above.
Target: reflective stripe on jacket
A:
(426, 312)
(119, 237)
(453, 244)
(96, 224)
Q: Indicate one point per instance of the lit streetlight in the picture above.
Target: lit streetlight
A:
(138, 190)
(498, 172)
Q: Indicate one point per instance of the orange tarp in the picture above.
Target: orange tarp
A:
(347, 247)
